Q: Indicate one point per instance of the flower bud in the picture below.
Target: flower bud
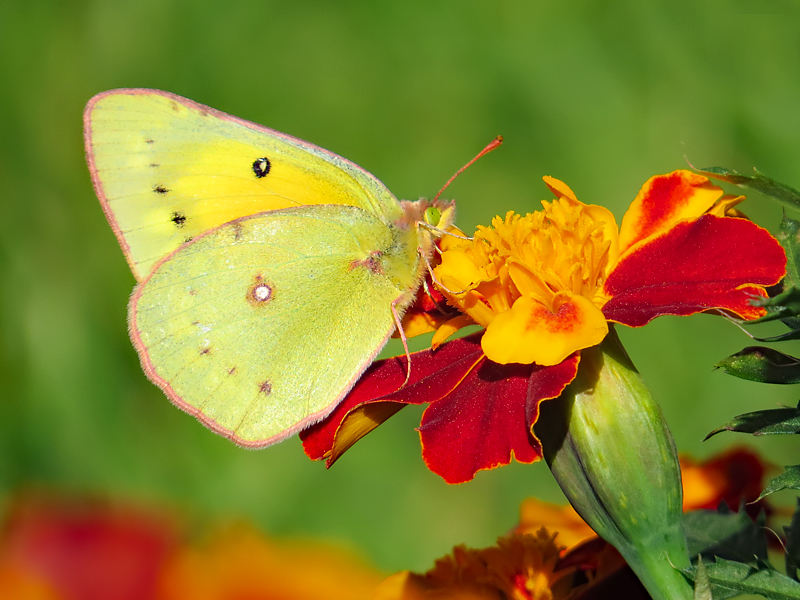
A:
(608, 446)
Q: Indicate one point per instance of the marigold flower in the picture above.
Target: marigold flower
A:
(519, 567)
(546, 286)
(537, 283)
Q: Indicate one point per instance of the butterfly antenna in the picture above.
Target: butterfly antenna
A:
(495, 143)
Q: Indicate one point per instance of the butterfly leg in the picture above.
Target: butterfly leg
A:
(403, 337)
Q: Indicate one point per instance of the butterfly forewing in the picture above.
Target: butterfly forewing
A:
(168, 169)
(261, 326)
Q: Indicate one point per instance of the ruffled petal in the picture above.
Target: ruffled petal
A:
(663, 201)
(710, 263)
(378, 395)
(531, 332)
(486, 420)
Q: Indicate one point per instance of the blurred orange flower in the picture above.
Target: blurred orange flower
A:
(54, 547)
(240, 563)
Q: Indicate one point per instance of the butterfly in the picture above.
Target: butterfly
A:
(270, 272)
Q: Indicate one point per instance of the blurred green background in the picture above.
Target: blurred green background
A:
(600, 94)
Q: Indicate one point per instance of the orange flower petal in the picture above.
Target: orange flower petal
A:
(559, 188)
(449, 328)
(531, 333)
(572, 529)
(663, 201)
(416, 323)
(725, 207)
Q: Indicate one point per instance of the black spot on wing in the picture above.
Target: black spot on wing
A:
(179, 219)
(261, 167)
(149, 141)
(265, 387)
(160, 189)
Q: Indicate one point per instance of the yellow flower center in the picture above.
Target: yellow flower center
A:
(535, 281)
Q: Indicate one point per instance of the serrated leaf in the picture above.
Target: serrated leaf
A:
(762, 364)
(764, 422)
(702, 587)
(792, 555)
(725, 534)
(759, 182)
(748, 579)
(788, 480)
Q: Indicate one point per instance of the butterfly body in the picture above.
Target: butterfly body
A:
(269, 269)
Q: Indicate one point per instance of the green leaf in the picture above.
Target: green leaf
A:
(762, 364)
(743, 578)
(725, 534)
(759, 182)
(764, 422)
(792, 556)
(788, 480)
(702, 587)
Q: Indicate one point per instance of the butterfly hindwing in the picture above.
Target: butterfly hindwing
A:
(167, 169)
(262, 325)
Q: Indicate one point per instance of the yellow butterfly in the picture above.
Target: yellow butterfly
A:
(270, 272)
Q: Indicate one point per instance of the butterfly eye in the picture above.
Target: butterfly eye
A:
(432, 216)
(261, 167)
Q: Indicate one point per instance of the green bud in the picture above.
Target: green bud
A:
(611, 452)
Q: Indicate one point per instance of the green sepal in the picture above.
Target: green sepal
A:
(726, 534)
(788, 480)
(764, 422)
(762, 364)
(702, 586)
(784, 306)
(792, 554)
(759, 182)
(729, 578)
(784, 337)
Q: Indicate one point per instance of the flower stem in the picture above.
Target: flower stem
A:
(608, 446)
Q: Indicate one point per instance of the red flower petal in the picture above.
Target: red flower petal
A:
(710, 263)
(481, 413)
(486, 421)
(434, 374)
(663, 201)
